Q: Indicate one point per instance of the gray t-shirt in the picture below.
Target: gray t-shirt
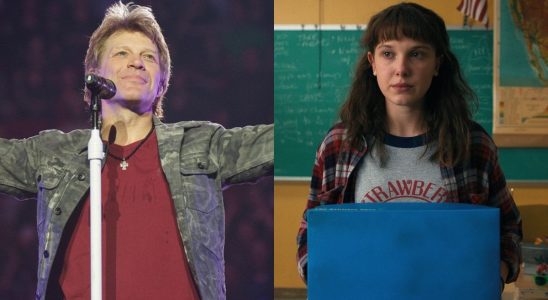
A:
(408, 175)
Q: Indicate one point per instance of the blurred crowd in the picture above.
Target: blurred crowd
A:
(222, 57)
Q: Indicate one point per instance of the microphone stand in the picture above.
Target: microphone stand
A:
(95, 157)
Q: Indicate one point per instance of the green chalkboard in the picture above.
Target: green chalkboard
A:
(312, 80)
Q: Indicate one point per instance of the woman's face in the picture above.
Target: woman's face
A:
(404, 70)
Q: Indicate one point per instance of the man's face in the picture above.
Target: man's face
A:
(131, 60)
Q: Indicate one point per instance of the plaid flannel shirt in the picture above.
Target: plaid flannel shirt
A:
(477, 181)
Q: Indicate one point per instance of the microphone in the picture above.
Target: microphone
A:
(102, 87)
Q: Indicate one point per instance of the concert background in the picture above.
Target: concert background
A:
(222, 54)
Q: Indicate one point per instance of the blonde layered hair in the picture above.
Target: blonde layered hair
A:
(132, 18)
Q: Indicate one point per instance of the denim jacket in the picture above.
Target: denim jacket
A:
(198, 159)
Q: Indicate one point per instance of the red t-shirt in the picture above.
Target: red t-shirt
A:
(143, 255)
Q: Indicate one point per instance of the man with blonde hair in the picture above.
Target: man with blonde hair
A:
(163, 215)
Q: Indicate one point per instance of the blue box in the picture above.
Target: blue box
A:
(403, 251)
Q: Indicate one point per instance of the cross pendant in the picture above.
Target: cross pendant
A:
(124, 165)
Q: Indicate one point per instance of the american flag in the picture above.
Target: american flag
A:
(477, 9)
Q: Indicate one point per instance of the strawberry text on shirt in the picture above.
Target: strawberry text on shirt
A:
(406, 188)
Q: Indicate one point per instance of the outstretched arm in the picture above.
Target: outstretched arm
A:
(245, 153)
(17, 168)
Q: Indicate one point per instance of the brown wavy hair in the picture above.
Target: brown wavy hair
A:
(446, 104)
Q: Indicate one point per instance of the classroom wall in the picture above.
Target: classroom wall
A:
(290, 196)
(356, 11)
